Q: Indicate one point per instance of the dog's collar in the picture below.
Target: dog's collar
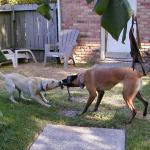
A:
(41, 86)
(81, 85)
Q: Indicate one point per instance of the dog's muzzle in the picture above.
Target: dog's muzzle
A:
(68, 81)
(61, 84)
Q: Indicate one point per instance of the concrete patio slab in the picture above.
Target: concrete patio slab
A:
(61, 137)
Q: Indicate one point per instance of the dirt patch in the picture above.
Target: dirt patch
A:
(69, 113)
(140, 116)
(32, 69)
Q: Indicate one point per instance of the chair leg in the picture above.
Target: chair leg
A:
(73, 61)
(66, 62)
(16, 58)
(45, 59)
(58, 60)
(14, 62)
(28, 50)
(47, 49)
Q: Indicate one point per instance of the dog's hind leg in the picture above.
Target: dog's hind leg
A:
(19, 91)
(21, 96)
(132, 108)
(100, 96)
(145, 103)
(10, 86)
(130, 90)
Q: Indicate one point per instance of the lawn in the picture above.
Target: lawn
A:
(21, 123)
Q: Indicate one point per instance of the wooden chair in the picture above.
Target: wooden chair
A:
(67, 41)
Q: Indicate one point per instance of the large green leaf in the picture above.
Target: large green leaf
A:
(101, 6)
(2, 57)
(115, 15)
(115, 18)
(1, 114)
(89, 1)
(44, 9)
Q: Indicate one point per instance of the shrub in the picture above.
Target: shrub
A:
(13, 2)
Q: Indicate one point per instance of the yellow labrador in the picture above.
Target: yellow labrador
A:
(32, 86)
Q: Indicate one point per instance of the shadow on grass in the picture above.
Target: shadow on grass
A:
(21, 122)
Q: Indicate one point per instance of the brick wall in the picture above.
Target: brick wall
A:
(77, 14)
(143, 15)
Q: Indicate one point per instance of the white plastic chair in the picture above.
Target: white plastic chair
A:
(19, 53)
(8, 53)
(66, 44)
(23, 53)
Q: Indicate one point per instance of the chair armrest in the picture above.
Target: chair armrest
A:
(51, 47)
(9, 51)
(25, 50)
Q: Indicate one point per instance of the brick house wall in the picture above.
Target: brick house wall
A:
(77, 14)
(143, 15)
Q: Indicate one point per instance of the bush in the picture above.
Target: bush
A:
(13, 2)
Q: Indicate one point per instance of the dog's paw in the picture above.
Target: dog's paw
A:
(71, 99)
(94, 110)
(47, 105)
(15, 102)
(79, 114)
(46, 101)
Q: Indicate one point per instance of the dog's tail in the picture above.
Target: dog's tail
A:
(2, 77)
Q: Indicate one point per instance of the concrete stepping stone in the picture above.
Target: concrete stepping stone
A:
(61, 137)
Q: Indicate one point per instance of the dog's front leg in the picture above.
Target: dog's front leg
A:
(35, 95)
(39, 100)
(100, 96)
(92, 96)
(69, 95)
(43, 97)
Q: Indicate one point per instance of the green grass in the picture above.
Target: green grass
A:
(21, 123)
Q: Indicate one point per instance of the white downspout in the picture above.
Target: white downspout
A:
(103, 37)
(59, 16)
(102, 50)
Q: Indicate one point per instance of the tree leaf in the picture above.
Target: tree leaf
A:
(101, 6)
(89, 1)
(116, 16)
(1, 114)
(44, 10)
(2, 57)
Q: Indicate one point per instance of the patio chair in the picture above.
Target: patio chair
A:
(23, 53)
(19, 53)
(67, 41)
(9, 55)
